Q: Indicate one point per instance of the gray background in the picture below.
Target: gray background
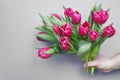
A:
(18, 57)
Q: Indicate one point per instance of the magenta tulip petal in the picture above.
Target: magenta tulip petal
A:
(76, 17)
(67, 29)
(100, 17)
(57, 16)
(93, 35)
(108, 31)
(56, 29)
(84, 29)
(68, 12)
(64, 41)
(42, 54)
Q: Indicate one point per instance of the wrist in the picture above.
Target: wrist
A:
(115, 63)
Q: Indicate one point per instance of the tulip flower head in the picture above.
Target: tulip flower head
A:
(108, 31)
(42, 54)
(76, 17)
(67, 29)
(68, 12)
(64, 41)
(100, 17)
(56, 29)
(93, 35)
(84, 29)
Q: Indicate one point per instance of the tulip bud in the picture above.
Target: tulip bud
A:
(57, 30)
(67, 29)
(108, 31)
(38, 38)
(93, 35)
(100, 17)
(64, 41)
(84, 29)
(76, 17)
(57, 16)
(68, 12)
(42, 54)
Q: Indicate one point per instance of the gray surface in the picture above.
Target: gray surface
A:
(18, 57)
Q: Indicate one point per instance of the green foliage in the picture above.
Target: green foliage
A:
(55, 20)
(84, 47)
(47, 37)
(46, 20)
(94, 52)
(50, 51)
(57, 47)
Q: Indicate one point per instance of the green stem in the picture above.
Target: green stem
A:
(92, 70)
(93, 26)
(73, 48)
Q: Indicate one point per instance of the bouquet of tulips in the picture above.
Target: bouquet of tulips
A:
(68, 34)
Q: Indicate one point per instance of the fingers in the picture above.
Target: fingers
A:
(105, 70)
(91, 63)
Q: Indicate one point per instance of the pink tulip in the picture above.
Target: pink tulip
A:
(84, 28)
(40, 38)
(108, 31)
(64, 41)
(100, 17)
(68, 12)
(76, 17)
(93, 35)
(56, 29)
(57, 16)
(42, 54)
(65, 46)
(64, 38)
(67, 29)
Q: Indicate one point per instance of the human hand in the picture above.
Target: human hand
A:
(102, 63)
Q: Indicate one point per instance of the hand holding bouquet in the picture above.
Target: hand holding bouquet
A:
(68, 34)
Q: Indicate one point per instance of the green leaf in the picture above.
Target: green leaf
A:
(37, 48)
(50, 20)
(102, 40)
(84, 47)
(41, 28)
(71, 51)
(62, 18)
(99, 7)
(50, 51)
(46, 20)
(55, 20)
(90, 18)
(94, 52)
(47, 37)
(47, 29)
(63, 21)
(94, 7)
(108, 9)
(63, 7)
(57, 47)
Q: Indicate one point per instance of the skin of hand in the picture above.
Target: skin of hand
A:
(102, 63)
